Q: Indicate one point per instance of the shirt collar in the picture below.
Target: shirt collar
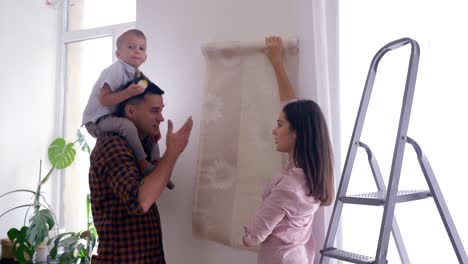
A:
(293, 169)
(128, 68)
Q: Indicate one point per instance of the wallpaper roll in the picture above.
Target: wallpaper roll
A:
(237, 155)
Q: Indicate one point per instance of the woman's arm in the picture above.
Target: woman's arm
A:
(282, 200)
(265, 220)
(274, 53)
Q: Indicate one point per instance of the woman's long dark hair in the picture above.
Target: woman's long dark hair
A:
(313, 151)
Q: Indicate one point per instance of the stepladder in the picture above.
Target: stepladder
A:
(390, 195)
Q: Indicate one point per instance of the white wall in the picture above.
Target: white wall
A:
(175, 31)
(28, 71)
(438, 119)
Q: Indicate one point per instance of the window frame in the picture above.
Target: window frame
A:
(69, 37)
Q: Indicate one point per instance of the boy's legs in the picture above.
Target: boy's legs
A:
(127, 130)
(152, 147)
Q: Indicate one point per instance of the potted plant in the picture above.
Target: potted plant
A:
(75, 247)
(38, 223)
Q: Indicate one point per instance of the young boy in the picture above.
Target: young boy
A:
(109, 91)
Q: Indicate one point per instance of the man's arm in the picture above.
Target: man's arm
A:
(274, 52)
(154, 184)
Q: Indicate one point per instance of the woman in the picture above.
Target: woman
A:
(283, 223)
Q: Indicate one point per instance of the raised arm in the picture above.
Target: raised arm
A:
(274, 53)
(157, 180)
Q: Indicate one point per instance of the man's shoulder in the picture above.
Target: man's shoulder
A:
(110, 141)
(110, 137)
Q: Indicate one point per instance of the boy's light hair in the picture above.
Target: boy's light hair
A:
(131, 32)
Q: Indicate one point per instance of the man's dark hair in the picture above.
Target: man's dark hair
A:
(150, 89)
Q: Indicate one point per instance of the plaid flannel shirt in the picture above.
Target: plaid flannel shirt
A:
(126, 233)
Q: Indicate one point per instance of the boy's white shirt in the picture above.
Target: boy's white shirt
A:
(116, 75)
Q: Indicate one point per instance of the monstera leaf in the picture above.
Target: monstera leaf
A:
(40, 225)
(77, 247)
(61, 155)
(21, 245)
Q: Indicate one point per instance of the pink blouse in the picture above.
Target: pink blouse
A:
(283, 223)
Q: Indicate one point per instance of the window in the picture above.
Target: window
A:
(87, 14)
(437, 119)
(89, 45)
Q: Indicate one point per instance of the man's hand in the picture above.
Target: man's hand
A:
(157, 180)
(176, 142)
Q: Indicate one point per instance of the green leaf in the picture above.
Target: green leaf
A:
(57, 240)
(61, 155)
(81, 249)
(40, 225)
(66, 258)
(82, 141)
(53, 253)
(71, 241)
(21, 245)
(13, 234)
(78, 247)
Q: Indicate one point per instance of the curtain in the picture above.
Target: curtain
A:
(318, 80)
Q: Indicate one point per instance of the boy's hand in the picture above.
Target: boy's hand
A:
(134, 89)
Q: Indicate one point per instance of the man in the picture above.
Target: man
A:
(123, 201)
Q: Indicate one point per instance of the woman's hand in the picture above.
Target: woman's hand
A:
(245, 244)
(274, 50)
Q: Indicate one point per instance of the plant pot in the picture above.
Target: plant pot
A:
(41, 253)
(7, 249)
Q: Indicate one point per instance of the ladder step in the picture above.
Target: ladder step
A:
(347, 256)
(378, 198)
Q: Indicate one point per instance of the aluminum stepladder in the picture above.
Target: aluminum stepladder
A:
(388, 197)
